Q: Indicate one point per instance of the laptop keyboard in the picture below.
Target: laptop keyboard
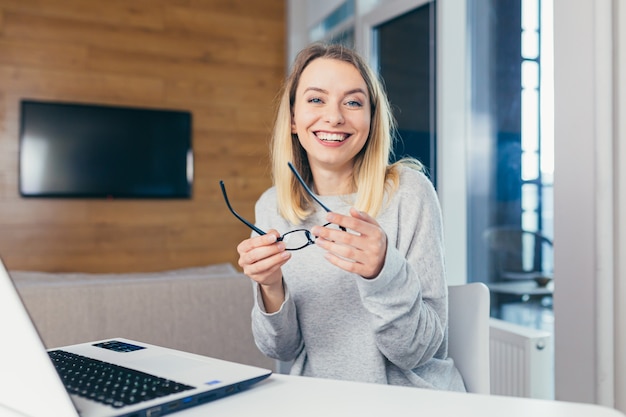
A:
(110, 384)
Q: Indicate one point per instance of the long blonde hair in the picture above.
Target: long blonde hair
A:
(373, 176)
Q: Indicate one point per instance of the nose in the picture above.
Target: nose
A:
(334, 115)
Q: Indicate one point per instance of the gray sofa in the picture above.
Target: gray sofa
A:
(204, 310)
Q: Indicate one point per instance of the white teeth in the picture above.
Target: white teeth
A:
(331, 137)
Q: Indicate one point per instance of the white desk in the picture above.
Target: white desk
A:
(282, 395)
(521, 288)
(515, 291)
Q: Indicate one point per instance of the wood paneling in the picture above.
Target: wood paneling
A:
(223, 60)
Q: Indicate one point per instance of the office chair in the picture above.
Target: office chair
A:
(468, 334)
(518, 253)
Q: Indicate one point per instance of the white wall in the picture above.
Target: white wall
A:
(588, 194)
(453, 109)
(619, 324)
(303, 15)
(575, 201)
(306, 14)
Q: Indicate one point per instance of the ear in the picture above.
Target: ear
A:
(293, 126)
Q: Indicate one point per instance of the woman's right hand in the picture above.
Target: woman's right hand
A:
(261, 258)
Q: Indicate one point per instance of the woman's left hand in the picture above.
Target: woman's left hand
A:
(361, 249)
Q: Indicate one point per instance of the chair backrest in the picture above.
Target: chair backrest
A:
(468, 334)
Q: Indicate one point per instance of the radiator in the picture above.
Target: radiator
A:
(521, 360)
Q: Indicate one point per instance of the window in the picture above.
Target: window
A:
(510, 152)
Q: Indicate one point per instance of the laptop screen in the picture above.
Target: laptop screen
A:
(29, 384)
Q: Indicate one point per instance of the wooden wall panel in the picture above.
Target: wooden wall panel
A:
(223, 60)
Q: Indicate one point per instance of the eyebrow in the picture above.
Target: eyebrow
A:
(321, 90)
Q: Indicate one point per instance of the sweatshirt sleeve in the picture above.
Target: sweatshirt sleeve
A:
(277, 335)
(408, 300)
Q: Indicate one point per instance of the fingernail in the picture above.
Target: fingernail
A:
(270, 238)
(281, 246)
(315, 230)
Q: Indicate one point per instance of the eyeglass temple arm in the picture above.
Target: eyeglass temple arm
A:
(244, 221)
(306, 187)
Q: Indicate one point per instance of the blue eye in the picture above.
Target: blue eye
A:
(315, 100)
(354, 103)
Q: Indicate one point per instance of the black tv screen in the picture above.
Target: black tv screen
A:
(100, 151)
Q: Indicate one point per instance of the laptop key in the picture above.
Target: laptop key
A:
(110, 384)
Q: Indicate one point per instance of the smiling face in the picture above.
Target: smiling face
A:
(331, 113)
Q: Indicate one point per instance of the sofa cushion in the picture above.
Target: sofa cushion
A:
(204, 310)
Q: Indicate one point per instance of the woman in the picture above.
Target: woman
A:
(368, 300)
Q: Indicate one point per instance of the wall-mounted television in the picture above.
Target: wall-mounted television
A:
(102, 151)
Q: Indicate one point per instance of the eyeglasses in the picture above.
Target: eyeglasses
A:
(295, 239)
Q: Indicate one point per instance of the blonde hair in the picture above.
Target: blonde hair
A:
(373, 176)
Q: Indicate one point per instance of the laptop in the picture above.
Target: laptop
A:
(105, 378)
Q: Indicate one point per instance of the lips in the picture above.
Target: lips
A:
(331, 137)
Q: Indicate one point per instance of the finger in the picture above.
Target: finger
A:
(343, 251)
(262, 263)
(255, 249)
(264, 271)
(363, 216)
(258, 241)
(261, 253)
(337, 234)
(358, 221)
(361, 249)
(357, 234)
(366, 270)
(364, 250)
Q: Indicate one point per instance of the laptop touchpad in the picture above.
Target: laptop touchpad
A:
(171, 366)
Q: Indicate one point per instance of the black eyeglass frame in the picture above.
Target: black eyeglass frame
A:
(307, 233)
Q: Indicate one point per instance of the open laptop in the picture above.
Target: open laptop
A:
(36, 382)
